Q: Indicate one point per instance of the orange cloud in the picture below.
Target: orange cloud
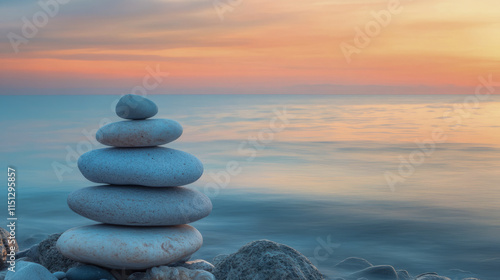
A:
(259, 43)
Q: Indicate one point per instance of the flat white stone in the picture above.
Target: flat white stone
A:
(153, 167)
(143, 133)
(121, 247)
(140, 206)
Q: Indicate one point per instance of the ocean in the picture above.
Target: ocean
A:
(411, 181)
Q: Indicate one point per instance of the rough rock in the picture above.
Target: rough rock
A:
(31, 254)
(268, 260)
(140, 206)
(123, 247)
(152, 167)
(50, 257)
(219, 258)
(135, 107)
(145, 133)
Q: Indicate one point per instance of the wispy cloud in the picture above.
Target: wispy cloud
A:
(261, 44)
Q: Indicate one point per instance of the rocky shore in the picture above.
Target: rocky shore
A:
(262, 259)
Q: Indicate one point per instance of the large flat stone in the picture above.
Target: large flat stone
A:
(144, 133)
(154, 167)
(140, 206)
(121, 247)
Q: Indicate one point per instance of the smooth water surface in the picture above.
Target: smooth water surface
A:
(311, 171)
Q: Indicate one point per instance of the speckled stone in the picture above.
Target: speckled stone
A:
(152, 167)
(145, 133)
(135, 107)
(264, 259)
(140, 206)
(122, 247)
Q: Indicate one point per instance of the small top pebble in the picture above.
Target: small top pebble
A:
(135, 107)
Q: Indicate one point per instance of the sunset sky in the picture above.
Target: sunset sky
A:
(280, 46)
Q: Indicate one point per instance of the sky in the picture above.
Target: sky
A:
(243, 46)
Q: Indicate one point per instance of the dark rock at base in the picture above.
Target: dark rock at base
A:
(51, 258)
(31, 254)
(88, 272)
(353, 264)
(5, 246)
(29, 271)
(379, 272)
(266, 260)
(59, 275)
(137, 276)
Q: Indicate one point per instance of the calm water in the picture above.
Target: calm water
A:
(321, 177)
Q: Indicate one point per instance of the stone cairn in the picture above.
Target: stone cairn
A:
(143, 210)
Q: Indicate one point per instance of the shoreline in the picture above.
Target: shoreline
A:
(353, 268)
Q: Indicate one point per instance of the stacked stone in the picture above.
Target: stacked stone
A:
(143, 209)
